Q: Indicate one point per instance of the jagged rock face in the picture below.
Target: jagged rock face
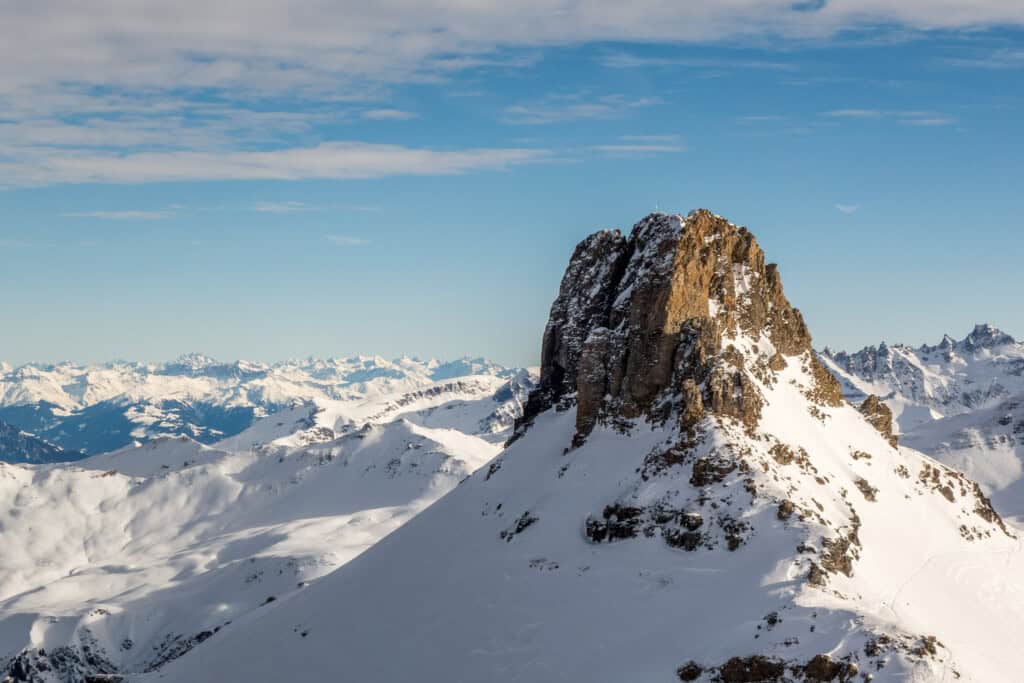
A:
(641, 326)
(880, 417)
(583, 303)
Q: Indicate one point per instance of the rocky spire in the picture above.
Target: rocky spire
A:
(985, 336)
(649, 326)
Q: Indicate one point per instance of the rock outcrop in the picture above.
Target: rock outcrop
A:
(880, 417)
(644, 326)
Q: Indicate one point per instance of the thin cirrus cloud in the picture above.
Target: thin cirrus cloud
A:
(346, 240)
(643, 144)
(332, 160)
(123, 215)
(848, 209)
(626, 60)
(908, 117)
(1003, 58)
(389, 115)
(567, 108)
(282, 207)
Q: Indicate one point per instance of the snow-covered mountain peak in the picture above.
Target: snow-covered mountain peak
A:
(195, 359)
(689, 498)
(984, 336)
(928, 383)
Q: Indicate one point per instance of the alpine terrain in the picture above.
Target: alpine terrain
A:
(688, 496)
(91, 409)
(960, 401)
(121, 562)
(19, 446)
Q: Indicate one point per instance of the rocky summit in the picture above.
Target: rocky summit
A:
(641, 326)
(688, 497)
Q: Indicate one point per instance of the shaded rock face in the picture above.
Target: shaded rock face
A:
(880, 417)
(642, 326)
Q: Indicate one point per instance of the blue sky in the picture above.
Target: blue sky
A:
(279, 186)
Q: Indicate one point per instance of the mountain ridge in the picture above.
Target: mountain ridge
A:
(95, 409)
(687, 498)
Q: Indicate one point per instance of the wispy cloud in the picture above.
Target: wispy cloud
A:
(854, 114)
(643, 144)
(123, 215)
(926, 119)
(389, 115)
(332, 160)
(906, 117)
(637, 149)
(626, 60)
(565, 108)
(1004, 58)
(119, 91)
(663, 138)
(848, 209)
(346, 240)
(282, 207)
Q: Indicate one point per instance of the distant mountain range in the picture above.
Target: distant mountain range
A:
(958, 401)
(90, 409)
(926, 383)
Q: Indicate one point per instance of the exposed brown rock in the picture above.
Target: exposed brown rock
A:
(826, 390)
(637, 328)
(824, 668)
(880, 417)
(753, 669)
(690, 671)
(869, 491)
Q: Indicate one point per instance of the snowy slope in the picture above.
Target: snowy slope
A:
(957, 401)
(931, 382)
(100, 408)
(447, 598)
(688, 498)
(987, 445)
(124, 561)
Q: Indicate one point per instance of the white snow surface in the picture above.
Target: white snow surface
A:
(140, 553)
(497, 581)
(97, 408)
(927, 383)
(958, 401)
(987, 445)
